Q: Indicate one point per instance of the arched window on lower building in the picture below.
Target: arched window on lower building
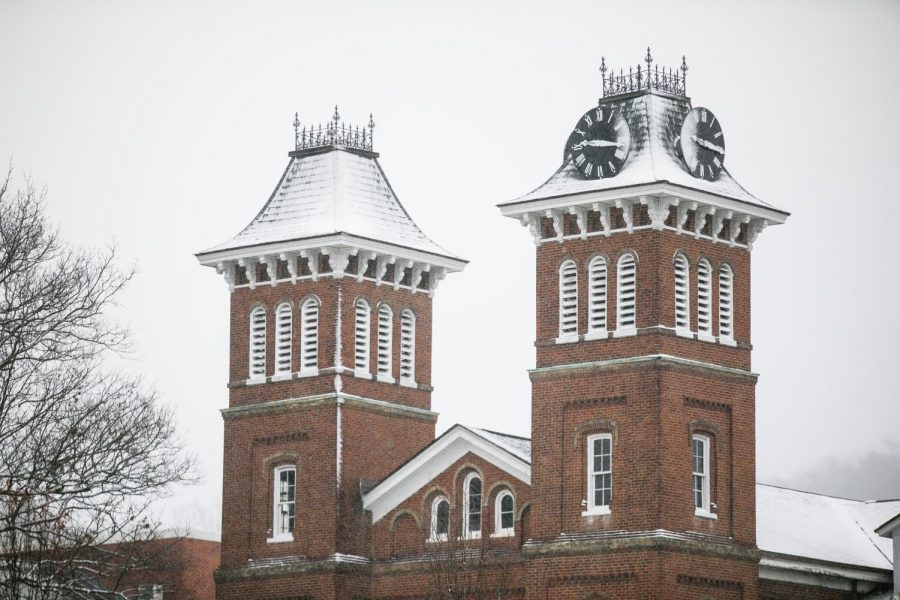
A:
(504, 515)
(700, 470)
(440, 519)
(472, 506)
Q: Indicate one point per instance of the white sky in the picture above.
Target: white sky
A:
(164, 126)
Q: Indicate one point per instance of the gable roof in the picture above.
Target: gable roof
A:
(813, 526)
(503, 451)
(329, 192)
(654, 119)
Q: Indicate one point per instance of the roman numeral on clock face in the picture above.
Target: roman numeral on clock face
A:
(589, 168)
(587, 119)
(579, 160)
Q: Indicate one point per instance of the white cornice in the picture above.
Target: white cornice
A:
(643, 359)
(658, 197)
(837, 577)
(349, 399)
(339, 247)
(433, 460)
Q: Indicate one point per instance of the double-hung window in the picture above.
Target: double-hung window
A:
(285, 503)
(700, 463)
(599, 485)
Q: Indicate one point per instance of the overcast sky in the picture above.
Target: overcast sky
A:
(164, 126)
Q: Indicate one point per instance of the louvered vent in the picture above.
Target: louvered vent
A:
(682, 295)
(283, 319)
(309, 336)
(385, 342)
(363, 322)
(597, 296)
(407, 348)
(726, 303)
(258, 343)
(626, 296)
(568, 300)
(704, 298)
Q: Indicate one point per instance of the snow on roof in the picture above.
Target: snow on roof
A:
(516, 445)
(336, 191)
(818, 527)
(655, 121)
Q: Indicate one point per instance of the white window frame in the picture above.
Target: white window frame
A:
(284, 323)
(408, 348)
(726, 305)
(704, 510)
(468, 533)
(257, 346)
(309, 337)
(568, 302)
(592, 508)
(362, 339)
(385, 348)
(627, 259)
(278, 535)
(704, 301)
(434, 536)
(598, 287)
(499, 530)
(682, 272)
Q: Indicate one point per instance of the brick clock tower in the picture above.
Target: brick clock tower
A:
(643, 398)
(330, 370)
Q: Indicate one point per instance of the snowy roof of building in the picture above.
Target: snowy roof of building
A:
(654, 119)
(516, 445)
(803, 524)
(330, 191)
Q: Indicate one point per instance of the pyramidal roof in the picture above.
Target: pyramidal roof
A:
(333, 191)
(654, 118)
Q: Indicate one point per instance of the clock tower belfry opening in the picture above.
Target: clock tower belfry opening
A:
(643, 398)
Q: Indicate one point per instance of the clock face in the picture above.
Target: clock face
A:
(701, 144)
(599, 143)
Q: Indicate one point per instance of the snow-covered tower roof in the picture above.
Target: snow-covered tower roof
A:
(654, 171)
(333, 199)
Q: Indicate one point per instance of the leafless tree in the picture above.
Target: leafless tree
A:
(84, 448)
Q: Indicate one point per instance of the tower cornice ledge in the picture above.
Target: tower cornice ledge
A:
(659, 198)
(339, 248)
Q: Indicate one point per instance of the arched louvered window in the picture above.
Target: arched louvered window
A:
(283, 322)
(385, 343)
(726, 305)
(363, 335)
(440, 519)
(682, 295)
(704, 300)
(472, 506)
(309, 337)
(407, 348)
(596, 298)
(626, 295)
(568, 302)
(258, 343)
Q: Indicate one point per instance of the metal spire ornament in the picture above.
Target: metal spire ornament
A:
(334, 133)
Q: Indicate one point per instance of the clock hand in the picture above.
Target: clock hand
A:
(708, 145)
(595, 143)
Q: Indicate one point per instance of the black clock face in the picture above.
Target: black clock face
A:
(702, 144)
(599, 143)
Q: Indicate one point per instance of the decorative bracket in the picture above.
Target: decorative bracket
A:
(682, 215)
(400, 271)
(381, 266)
(603, 209)
(581, 218)
(249, 270)
(271, 263)
(434, 278)
(533, 224)
(362, 263)
(718, 223)
(229, 269)
(659, 209)
(754, 229)
(700, 218)
(736, 228)
(557, 223)
(291, 259)
(627, 213)
(312, 261)
(339, 258)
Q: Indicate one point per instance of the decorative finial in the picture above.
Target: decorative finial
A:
(371, 122)
(296, 131)
(684, 66)
(603, 65)
(336, 116)
(649, 59)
